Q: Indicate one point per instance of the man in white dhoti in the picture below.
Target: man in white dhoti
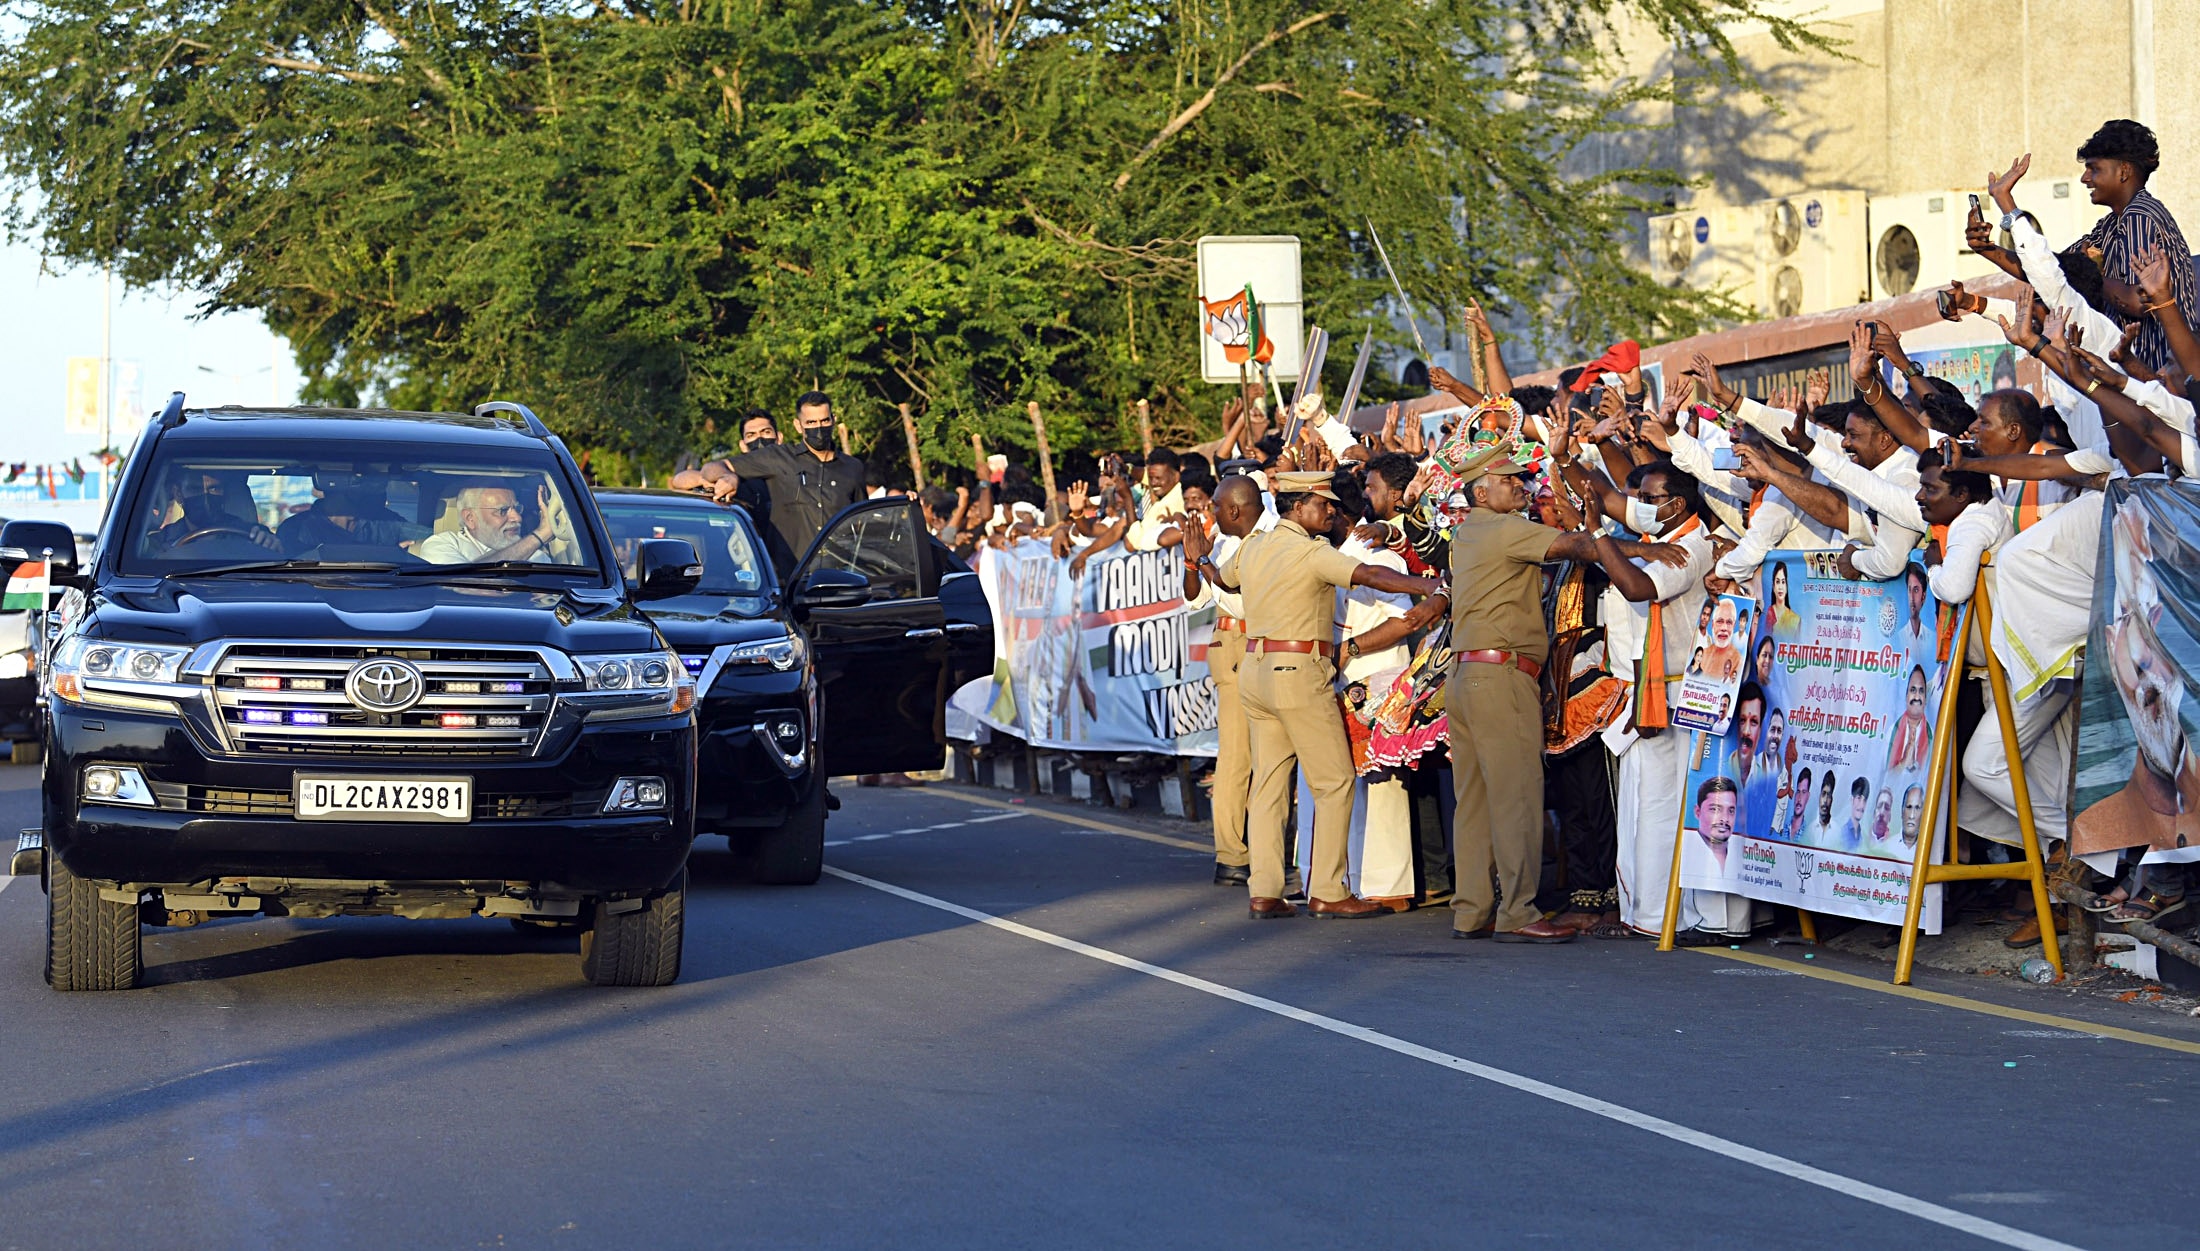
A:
(1650, 614)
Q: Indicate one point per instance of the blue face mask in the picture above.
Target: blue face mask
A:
(1642, 517)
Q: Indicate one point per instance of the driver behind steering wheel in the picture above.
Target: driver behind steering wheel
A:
(204, 501)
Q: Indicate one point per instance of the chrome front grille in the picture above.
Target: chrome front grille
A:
(488, 805)
(289, 699)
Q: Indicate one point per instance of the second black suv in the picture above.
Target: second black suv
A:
(844, 661)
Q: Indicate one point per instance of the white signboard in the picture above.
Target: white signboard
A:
(1269, 264)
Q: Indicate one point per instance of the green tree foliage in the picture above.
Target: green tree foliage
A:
(645, 216)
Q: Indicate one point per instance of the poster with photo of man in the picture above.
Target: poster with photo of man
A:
(1812, 792)
(2138, 773)
(1710, 688)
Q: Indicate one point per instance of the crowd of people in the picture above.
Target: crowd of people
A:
(1539, 569)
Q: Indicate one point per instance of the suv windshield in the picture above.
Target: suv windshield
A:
(217, 504)
(732, 565)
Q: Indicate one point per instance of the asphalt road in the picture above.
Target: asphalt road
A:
(1123, 1060)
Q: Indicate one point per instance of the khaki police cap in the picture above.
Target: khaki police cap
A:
(1496, 458)
(1304, 482)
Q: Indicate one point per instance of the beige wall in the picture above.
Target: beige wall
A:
(1937, 93)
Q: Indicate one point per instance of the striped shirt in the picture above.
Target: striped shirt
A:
(2121, 238)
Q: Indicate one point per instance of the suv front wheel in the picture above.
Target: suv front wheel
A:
(91, 943)
(638, 948)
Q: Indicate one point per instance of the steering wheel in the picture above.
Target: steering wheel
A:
(210, 532)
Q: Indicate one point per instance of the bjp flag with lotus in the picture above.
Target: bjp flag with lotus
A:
(1235, 323)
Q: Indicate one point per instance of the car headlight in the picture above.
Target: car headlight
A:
(788, 651)
(146, 676)
(635, 683)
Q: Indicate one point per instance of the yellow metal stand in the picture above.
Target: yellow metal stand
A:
(1671, 929)
(1978, 619)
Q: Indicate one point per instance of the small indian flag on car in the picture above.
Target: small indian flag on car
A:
(26, 587)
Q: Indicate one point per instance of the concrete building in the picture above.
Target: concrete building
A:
(1936, 94)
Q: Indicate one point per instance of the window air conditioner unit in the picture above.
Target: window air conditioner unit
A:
(1711, 248)
(1811, 250)
(1917, 240)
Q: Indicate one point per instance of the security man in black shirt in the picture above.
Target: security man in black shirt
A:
(809, 481)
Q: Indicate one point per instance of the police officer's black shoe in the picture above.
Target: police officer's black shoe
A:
(1232, 874)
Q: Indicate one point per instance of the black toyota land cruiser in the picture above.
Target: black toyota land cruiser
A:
(340, 663)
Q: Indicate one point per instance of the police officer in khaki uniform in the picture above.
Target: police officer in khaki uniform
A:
(1238, 513)
(1494, 706)
(1289, 579)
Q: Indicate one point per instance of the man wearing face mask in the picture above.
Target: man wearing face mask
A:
(207, 521)
(1650, 614)
(808, 483)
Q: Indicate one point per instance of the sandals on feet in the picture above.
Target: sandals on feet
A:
(2145, 906)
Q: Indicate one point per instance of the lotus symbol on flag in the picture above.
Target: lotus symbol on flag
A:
(1805, 865)
(1234, 322)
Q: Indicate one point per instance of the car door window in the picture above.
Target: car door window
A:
(882, 545)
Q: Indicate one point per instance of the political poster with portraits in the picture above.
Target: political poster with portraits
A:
(1711, 683)
(1814, 793)
(2138, 777)
(1096, 655)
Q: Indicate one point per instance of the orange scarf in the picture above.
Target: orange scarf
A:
(2028, 495)
(1651, 709)
(1756, 498)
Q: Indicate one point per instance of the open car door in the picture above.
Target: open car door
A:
(896, 624)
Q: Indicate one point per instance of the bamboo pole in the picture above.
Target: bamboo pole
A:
(916, 458)
(1046, 459)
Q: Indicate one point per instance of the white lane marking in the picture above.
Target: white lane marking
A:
(1991, 1231)
(999, 816)
(836, 842)
(6, 882)
(870, 838)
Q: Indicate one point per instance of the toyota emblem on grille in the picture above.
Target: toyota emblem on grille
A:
(384, 685)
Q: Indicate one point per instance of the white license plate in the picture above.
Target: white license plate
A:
(361, 797)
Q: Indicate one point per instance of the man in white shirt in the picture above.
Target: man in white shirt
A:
(1653, 767)
(488, 529)
(1164, 500)
(1372, 645)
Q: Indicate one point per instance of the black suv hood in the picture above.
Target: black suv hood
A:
(202, 610)
(700, 622)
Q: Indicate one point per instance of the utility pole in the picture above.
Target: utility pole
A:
(106, 374)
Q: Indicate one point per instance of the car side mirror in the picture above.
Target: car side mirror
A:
(832, 588)
(30, 540)
(664, 568)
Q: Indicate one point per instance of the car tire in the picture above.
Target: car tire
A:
(794, 854)
(638, 948)
(91, 943)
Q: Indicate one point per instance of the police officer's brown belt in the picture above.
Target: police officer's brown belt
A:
(1224, 622)
(1526, 664)
(1261, 647)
